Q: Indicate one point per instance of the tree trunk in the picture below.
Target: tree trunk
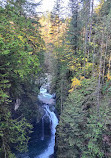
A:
(104, 62)
(99, 79)
(4, 148)
(92, 5)
(87, 16)
(61, 96)
(93, 58)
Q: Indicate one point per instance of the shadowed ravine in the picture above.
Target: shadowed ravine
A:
(51, 119)
(42, 140)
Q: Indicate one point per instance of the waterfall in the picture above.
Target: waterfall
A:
(42, 142)
(47, 100)
(53, 123)
(42, 128)
(53, 119)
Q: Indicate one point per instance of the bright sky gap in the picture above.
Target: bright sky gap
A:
(47, 5)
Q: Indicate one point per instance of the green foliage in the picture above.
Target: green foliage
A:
(73, 122)
(13, 132)
(84, 128)
(21, 55)
(82, 132)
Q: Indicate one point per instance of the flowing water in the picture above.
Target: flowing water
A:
(42, 141)
(47, 100)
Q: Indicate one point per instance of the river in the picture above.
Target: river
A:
(42, 140)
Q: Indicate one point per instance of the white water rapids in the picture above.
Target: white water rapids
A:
(47, 100)
(42, 142)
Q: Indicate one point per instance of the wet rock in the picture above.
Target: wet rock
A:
(17, 104)
(51, 156)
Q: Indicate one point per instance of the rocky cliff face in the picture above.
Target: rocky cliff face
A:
(28, 104)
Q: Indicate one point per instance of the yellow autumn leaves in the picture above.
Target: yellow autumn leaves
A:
(75, 84)
(99, 6)
(108, 76)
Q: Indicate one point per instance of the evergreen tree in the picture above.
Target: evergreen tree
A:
(20, 58)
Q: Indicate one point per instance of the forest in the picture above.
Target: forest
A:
(75, 49)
